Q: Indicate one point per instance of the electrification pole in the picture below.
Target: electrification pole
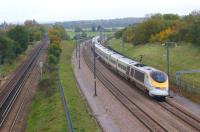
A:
(95, 89)
(122, 42)
(168, 59)
(79, 63)
(168, 45)
(76, 47)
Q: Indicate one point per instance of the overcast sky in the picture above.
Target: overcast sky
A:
(66, 10)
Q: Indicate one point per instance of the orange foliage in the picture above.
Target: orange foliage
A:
(162, 36)
(54, 36)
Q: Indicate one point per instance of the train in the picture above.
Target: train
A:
(151, 80)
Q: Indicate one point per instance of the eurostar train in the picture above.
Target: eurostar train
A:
(152, 80)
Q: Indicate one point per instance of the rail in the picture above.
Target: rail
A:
(14, 87)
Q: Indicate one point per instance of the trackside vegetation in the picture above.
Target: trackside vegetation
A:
(81, 119)
(47, 113)
(160, 28)
(14, 41)
(183, 56)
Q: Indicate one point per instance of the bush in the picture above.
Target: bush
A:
(55, 50)
(52, 59)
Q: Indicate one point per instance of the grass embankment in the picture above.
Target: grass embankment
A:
(182, 57)
(47, 112)
(9, 67)
(81, 119)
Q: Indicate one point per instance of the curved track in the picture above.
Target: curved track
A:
(137, 111)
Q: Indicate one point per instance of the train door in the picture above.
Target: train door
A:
(127, 70)
(146, 82)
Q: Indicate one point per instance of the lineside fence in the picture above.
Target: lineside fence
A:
(63, 99)
(192, 88)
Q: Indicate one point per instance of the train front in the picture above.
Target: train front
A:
(159, 84)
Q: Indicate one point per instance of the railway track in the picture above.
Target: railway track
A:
(13, 88)
(185, 116)
(147, 120)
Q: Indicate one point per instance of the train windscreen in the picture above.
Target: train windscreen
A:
(158, 76)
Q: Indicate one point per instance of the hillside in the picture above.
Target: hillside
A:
(110, 23)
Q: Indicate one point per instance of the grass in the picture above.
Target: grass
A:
(184, 56)
(92, 34)
(89, 33)
(47, 112)
(81, 119)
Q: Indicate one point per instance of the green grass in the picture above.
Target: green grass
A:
(184, 56)
(47, 112)
(89, 33)
(81, 119)
(92, 34)
(71, 33)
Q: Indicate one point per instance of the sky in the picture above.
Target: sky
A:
(17, 11)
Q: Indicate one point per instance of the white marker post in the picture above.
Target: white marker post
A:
(41, 66)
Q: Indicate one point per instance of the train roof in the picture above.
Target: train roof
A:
(117, 56)
(144, 68)
(103, 49)
(127, 60)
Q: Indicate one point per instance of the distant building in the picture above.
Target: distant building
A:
(4, 25)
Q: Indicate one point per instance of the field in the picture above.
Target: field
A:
(81, 119)
(184, 56)
(89, 33)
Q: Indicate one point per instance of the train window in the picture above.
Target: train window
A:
(158, 76)
(113, 61)
(121, 66)
(139, 76)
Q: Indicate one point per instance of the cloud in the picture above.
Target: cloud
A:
(61, 10)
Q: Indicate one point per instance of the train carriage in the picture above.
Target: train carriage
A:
(114, 60)
(123, 65)
(152, 80)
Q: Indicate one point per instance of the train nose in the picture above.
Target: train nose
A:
(158, 92)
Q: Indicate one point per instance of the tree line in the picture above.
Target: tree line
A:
(164, 27)
(14, 39)
(56, 34)
(109, 23)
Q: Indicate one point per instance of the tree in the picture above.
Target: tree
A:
(6, 49)
(100, 28)
(78, 29)
(54, 36)
(118, 34)
(162, 36)
(21, 38)
(93, 29)
(171, 17)
(195, 31)
(62, 32)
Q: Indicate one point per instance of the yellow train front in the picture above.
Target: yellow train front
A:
(157, 83)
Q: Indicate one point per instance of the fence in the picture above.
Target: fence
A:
(180, 86)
